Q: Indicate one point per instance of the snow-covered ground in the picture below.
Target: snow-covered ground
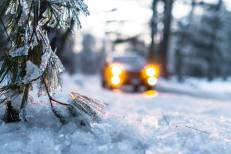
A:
(143, 123)
(217, 89)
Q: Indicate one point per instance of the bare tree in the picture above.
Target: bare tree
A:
(159, 50)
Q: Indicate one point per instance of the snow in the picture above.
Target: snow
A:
(147, 123)
(32, 72)
(217, 89)
(19, 52)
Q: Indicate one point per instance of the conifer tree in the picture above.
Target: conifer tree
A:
(199, 45)
(30, 58)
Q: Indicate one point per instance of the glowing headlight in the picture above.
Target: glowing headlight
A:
(150, 72)
(152, 81)
(115, 80)
(116, 70)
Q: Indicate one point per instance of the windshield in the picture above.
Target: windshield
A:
(132, 60)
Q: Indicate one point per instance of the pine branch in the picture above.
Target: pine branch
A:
(30, 57)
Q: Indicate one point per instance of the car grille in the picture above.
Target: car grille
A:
(133, 78)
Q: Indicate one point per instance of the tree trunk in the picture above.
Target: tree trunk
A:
(153, 26)
(163, 51)
(11, 114)
(212, 56)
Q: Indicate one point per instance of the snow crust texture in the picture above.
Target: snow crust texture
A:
(133, 124)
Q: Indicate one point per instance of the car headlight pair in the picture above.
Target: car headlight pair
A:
(150, 74)
(115, 75)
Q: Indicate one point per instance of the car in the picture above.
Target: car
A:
(129, 69)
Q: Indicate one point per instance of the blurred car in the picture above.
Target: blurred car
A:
(129, 69)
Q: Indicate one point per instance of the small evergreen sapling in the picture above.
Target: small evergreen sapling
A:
(30, 58)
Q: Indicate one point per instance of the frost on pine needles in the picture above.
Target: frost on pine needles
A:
(30, 59)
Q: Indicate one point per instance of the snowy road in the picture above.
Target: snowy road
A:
(145, 123)
(178, 123)
(123, 102)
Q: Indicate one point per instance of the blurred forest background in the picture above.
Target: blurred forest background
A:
(187, 37)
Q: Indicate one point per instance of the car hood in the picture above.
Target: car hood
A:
(131, 68)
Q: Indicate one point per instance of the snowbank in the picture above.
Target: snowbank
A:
(217, 89)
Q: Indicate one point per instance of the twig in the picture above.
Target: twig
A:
(51, 100)
(50, 97)
(193, 128)
(196, 129)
